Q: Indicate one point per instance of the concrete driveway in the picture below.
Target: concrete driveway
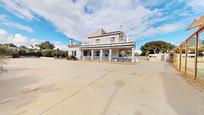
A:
(59, 87)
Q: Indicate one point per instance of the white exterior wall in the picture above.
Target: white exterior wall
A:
(104, 39)
(159, 57)
(105, 44)
(78, 52)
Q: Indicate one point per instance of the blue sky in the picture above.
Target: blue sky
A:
(26, 22)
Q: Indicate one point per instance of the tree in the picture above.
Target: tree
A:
(46, 45)
(156, 47)
(10, 45)
(5, 49)
(23, 47)
(47, 53)
(22, 50)
(46, 49)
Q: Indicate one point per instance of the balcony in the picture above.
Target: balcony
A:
(87, 46)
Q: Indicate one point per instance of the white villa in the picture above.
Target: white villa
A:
(104, 46)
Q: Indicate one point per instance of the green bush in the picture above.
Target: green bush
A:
(72, 58)
(5, 50)
(60, 53)
(45, 49)
(47, 53)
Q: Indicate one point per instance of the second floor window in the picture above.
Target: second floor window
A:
(97, 41)
(112, 39)
(121, 40)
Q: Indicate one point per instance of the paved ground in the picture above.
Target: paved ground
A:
(60, 87)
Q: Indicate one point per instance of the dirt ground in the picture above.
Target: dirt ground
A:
(34, 86)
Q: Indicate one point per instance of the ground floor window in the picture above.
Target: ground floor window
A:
(87, 53)
(106, 53)
(97, 53)
(125, 53)
(73, 53)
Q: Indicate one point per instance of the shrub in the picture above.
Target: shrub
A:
(3, 50)
(72, 58)
(60, 53)
(47, 53)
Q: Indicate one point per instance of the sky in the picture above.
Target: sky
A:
(28, 22)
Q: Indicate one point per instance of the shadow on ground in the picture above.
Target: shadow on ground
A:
(118, 85)
(13, 95)
(181, 95)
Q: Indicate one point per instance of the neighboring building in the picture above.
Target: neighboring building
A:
(160, 57)
(104, 46)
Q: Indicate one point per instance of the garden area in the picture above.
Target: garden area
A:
(45, 49)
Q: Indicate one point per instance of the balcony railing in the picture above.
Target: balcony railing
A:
(106, 58)
(86, 57)
(88, 43)
(96, 57)
(121, 59)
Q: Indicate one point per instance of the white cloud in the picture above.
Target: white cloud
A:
(22, 40)
(19, 39)
(150, 32)
(2, 17)
(4, 21)
(3, 35)
(197, 6)
(18, 26)
(18, 8)
(71, 19)
(59, 45)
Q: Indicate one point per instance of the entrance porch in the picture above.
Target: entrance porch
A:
(111, 54)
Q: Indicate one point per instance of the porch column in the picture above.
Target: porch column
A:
(101, 54)
(80, 58)
(133, 54)
(92, 54)
(110, 55)
(82, 52)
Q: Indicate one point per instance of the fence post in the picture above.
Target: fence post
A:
(186, 54)
(196, 55)
(180, 51)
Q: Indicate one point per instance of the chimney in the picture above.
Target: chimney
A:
(71, 41)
